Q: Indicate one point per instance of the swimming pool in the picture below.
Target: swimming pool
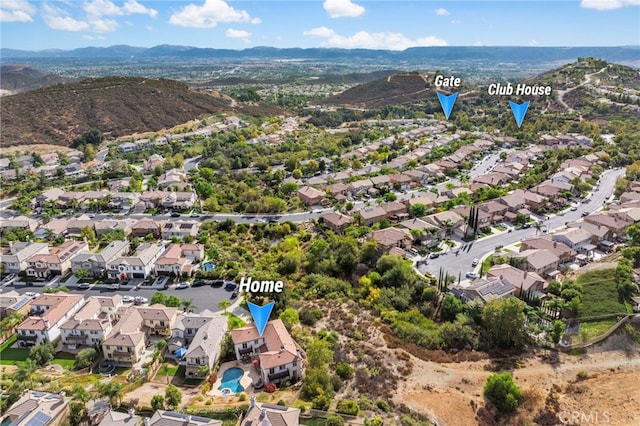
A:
(231, 380)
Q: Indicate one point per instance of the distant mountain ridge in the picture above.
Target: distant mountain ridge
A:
(622, 54)
(20, 78)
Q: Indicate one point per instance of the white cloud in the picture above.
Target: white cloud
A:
(98, 8)
(133, 7)
(342, 8)
(16, 11)
(58, 19)
(103, 25)
(608, 4)
(533, 42)
(209, 15)
(442, 12)
(477, 43)
(367, 40)
(91, 37)
(241, 34)
(456, 22)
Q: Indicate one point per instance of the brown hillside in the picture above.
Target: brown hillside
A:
(115, 105)
(20, 78)
(394, 89)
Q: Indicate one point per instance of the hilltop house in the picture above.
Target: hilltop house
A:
(270, 414)
(204, 348)
(180, 259)
(277, 355)
(38, 409)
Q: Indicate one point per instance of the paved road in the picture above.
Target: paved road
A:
(192, 163)
(205, 297)
(461, 264)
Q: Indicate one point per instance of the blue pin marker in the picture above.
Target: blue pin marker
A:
(260, 315)
(519, 111)
(447, 102)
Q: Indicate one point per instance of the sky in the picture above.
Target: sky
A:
(394, 25)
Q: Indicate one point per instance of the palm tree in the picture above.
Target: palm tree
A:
(538, 226)
(224, 304)
(26, 372)
(113, 391)
(187, 305)
(556, 305)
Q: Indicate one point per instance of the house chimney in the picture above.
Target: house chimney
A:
(282, 348)
(147, 421)
(263, 414)
(252, 402)
(131, 412)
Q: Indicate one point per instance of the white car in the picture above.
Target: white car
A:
(139, 300)
(32, 294)
(475, 262)
(472, 275)
(128, 299)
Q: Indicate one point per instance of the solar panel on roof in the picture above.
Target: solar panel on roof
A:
(20, 303)
(201, 419)
(39, 419)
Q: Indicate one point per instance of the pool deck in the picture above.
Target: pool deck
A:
(250, 375)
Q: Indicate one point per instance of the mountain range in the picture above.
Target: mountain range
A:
(623, 54)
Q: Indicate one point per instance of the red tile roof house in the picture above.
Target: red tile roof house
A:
(389, 238)
(514, 201)
(337, 188)
(371, 215)
(180, 259)
(53, 310)
(495, 209)
(57, 261)
(393, 208)
(564, 252)
(310, 196)
(360, 186)
(337, 221)
(520, 280)
(89, 326)
(277, 354)
(616, 225)
(542, 262)
(401, 180)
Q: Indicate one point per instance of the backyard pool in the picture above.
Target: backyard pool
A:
(231, 380)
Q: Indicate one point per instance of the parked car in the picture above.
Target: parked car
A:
(139, 300)
(434, 255)
(234, 294)
(475, 262)
(32, 294)
(175, 214)
(574, 208)
(198, 283)
(115, 286)
(412, 251)
(585, 214)
(217, 283)
(526, 226)
(183, 285)
(230, 286)
(83, 286)
(472, 275)
(128, 299)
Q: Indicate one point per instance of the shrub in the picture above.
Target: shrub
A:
(502, 391)
(242, 397)
(383, 405)
(344, 370)
(270, 388)
(348, 407)
(582, 375)
(334, 420)
(310, 316)
(281, 402)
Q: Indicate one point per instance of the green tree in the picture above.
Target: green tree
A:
(504, 322)
(173, 396)
(557, 329)
(224, 304)
(157, 402)
(112, 391)
(451, 307)
(418, 210)
(85, 358)
(26, 371)
(502, 391)
(89, 233)
(348, 407)
(289, 317)
(82, 273)
(43, 353)
(319, 353)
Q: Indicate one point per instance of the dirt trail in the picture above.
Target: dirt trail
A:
(561, 93)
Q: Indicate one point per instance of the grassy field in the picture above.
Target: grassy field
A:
(10, 356)
(167, 369)
(600, 296)
(591, 329)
